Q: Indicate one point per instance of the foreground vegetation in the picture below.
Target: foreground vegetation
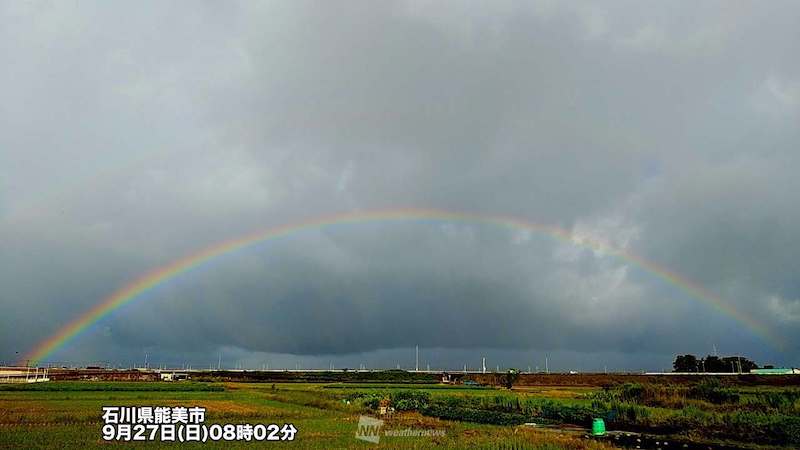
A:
(707, 411)
(68, 413)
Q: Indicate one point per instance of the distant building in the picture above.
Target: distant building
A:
(173, 376)
(775, 371)
(452, 378)
(23, 375)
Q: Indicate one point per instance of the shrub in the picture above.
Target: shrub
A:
(474, 415)
(367, 400)
(711, 390)
(776, 400)
(410, 400)
(628, 413)
(763, 428)
(667, 395)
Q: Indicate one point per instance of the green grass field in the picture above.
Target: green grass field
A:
(68, 414)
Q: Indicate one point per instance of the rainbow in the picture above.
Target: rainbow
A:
(165, 273)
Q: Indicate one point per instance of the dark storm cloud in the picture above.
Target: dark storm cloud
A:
(133, 135)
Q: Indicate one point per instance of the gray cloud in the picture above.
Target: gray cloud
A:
(134, 135)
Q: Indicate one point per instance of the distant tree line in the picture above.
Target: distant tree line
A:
(725, 364)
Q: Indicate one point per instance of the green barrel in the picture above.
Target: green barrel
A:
(598, 427)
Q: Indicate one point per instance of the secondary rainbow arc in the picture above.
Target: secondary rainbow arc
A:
(163, 274)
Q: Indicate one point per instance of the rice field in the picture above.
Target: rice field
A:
(326, 415)
(59, 415)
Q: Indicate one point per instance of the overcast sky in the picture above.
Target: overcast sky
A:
(133, 135)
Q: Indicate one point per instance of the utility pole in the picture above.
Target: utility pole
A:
(546, 365)
(417, 358)
(219, 361)
(484, 364)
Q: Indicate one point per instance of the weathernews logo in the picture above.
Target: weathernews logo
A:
(369, 429)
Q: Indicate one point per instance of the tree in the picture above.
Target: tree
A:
(728, 364)
(714, 364)
(511, 377)
(748, 365)
(738, 364)
(685, 363)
